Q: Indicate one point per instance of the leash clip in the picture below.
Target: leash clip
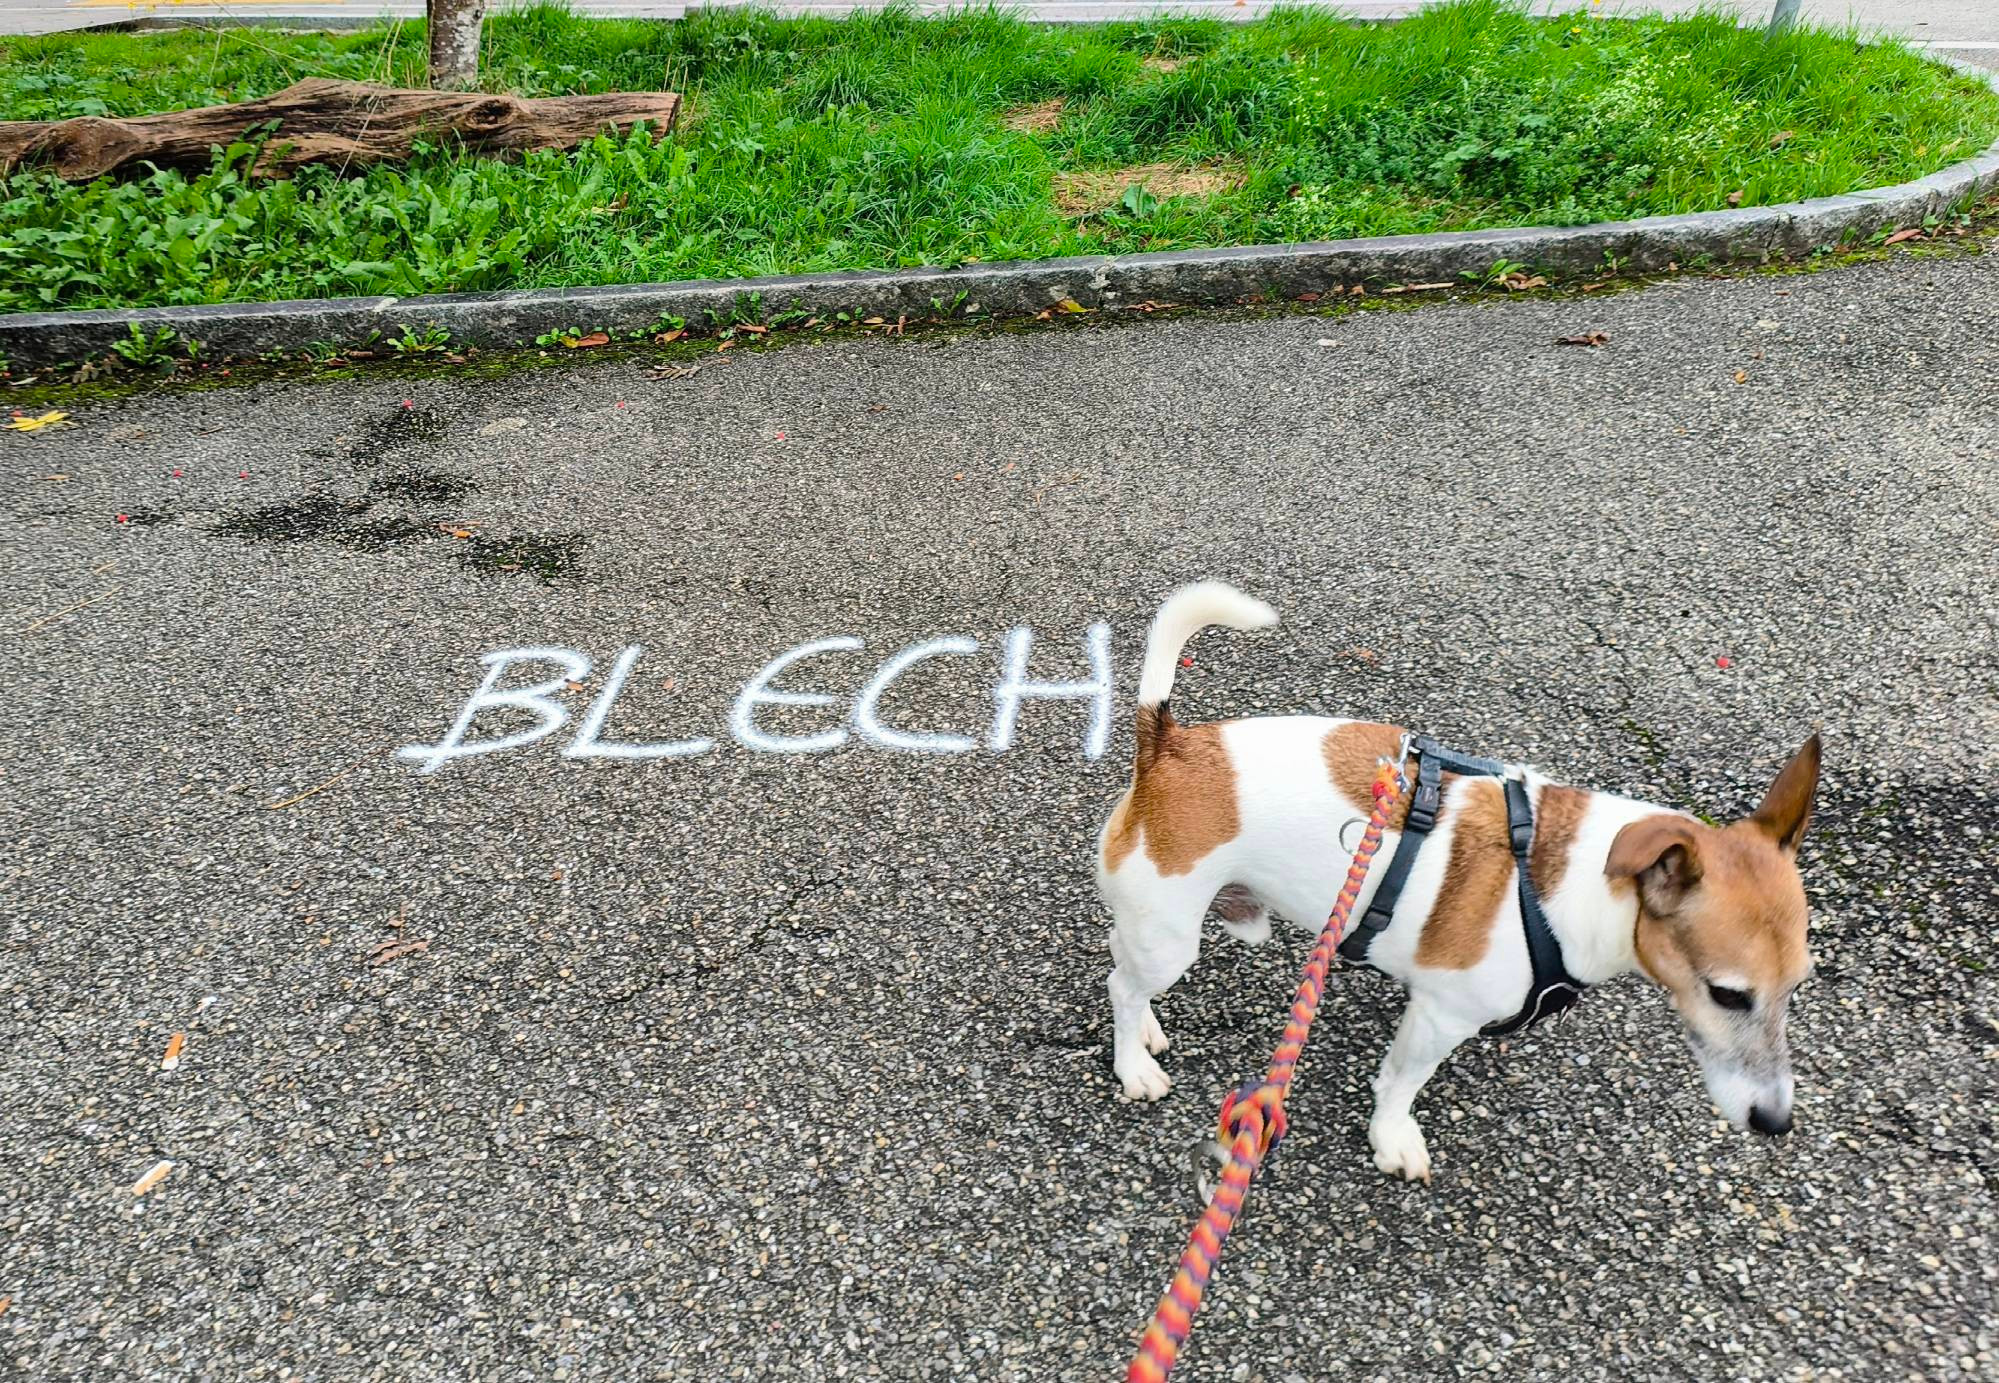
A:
(1205, 1161)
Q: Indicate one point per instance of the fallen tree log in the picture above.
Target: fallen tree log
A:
(349, 125)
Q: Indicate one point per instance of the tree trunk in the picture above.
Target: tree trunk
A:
(348, 124)
(454, 43)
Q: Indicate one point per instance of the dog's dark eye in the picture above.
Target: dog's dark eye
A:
(1739, 999)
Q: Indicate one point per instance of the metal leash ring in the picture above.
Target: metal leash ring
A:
(1344, 845)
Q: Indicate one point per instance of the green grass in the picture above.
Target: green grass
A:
(879, 141)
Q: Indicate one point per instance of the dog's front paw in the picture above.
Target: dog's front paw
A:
(1142, 1078)
(1399, 1149)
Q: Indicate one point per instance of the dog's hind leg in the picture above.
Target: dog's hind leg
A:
(1149, 951)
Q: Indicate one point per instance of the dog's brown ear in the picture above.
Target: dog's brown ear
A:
(1788, 805)
(1663, 855)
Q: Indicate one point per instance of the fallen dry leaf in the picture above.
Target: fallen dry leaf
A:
(1070, 306)
(396, 950)
(1366, 655)
(153, 1178)
(454, 531)
(1781, 138)
(5, 1302)
(1520, 282)
(1593, 287)
(1735, 197)
(753, 330)
(1901, 235)
(1309, 297)
(1410, 287)
(590, 342)
(21, 422)
(674, 371)
(572, 685)
(1742, 376)
(172, 1057)
(667, 338)
(1588, 338)
(609, 209)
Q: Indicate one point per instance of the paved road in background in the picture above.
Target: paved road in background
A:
(1971, 27)
(795, 1065)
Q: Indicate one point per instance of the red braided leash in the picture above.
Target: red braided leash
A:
(1252, 1119)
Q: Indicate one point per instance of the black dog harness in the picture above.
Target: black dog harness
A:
(1553, 988)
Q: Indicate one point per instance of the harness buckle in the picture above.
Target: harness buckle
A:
(1523, 836)
(1425, 804)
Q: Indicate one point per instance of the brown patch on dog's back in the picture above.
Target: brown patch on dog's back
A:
(1182, 799)
(1459, 927)
(1557, 818)
(1354, 752)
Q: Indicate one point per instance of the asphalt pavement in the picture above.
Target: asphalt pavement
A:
(745, 1063)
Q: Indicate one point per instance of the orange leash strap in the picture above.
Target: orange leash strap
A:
(1252, 1119)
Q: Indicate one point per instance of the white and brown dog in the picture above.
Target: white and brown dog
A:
(1246, 816)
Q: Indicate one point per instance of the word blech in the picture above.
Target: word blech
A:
(862, 719)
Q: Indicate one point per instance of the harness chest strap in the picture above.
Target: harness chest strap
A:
(1552, 988)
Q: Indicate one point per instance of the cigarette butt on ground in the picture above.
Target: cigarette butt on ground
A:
(172, 1057)
(152, 1178)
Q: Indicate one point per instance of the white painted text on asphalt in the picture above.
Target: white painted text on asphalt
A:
(861, 719)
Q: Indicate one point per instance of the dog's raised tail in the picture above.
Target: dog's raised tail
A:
(1186, 613)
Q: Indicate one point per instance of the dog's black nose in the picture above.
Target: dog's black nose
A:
(1771, 1125)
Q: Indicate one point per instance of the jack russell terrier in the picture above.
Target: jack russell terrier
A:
(1530, 890)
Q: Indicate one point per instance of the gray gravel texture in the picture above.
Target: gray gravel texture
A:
(758, 1067)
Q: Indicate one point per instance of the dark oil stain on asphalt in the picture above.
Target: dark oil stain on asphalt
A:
(352, 523)
(327, 519)
(550, 556)
(423, 486)
(400, 428)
